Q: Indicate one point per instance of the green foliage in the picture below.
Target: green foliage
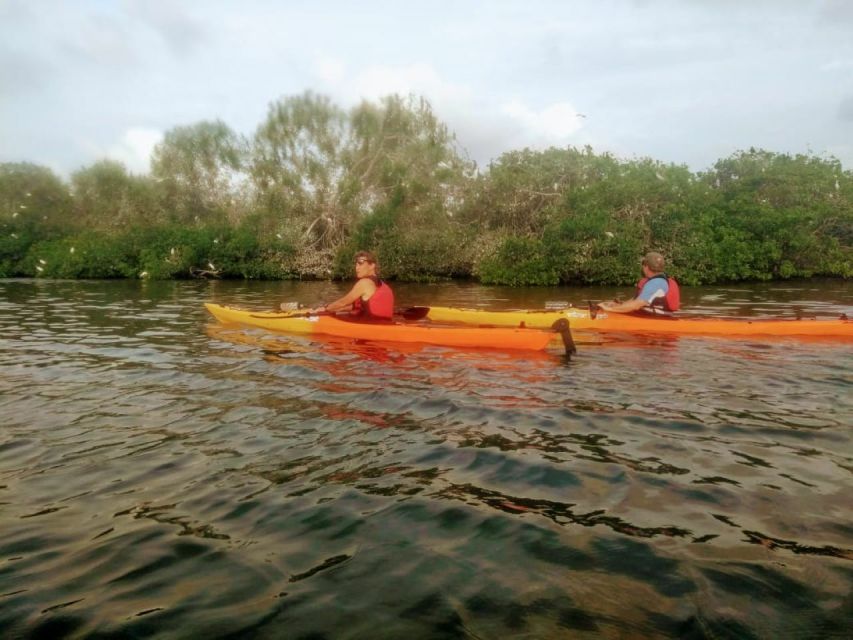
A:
(107, 198)
(377, 233)
(401, 149)
(88, 255)
(35, 205)
(422, 256)
(778, 180)
(33, 198)
(781, 216)
(687, 237)
(323, 169)
(297, 166)
(241, 253)
(319, 183)
(519, 262)
(587, 252)
(407, 251)
(604, 227)
(15, 242)
(523, 189)
(197, 168)
(181, 252)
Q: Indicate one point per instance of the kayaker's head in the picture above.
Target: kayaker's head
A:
(653, 261)
(365, 264)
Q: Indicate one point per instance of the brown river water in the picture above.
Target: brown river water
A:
(165, 476)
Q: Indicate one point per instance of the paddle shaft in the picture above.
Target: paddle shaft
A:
(408, 313)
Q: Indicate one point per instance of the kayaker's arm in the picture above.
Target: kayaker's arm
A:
(364, 287)
(635, 304)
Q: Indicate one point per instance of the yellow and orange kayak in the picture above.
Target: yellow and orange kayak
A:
(580, 319)
(458, 336)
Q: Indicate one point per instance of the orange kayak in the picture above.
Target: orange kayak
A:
(580, 319)
(723, 327)
(458, 336)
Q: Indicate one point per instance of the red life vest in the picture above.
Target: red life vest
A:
(379, 306)
(672, 300)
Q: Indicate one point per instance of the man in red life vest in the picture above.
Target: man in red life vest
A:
(655, 291)
(370, 298)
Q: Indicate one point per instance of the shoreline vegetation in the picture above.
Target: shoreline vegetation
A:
(316, 183)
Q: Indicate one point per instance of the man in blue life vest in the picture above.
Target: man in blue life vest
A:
(370, 298)
(655, 290)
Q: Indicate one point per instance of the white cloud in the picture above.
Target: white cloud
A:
(557, 121)
(377, 81)
(683, 82)
(331, 71)
(837, 65)
(169, 20)
(134, 148)
(486, 126)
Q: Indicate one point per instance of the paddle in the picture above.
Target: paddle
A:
(408, 313)
(295, 314)
(562, 327)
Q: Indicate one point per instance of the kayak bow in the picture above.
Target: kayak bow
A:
(457, 336)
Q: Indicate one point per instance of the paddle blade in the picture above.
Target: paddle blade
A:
(562, 327)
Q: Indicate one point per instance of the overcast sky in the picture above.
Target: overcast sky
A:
(682, 81)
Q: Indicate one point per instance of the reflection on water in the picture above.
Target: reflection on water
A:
(161, 474)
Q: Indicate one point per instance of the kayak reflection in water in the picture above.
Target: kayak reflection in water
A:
(656, 291)
(370, 297)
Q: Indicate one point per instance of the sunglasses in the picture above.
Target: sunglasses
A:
(361, 261)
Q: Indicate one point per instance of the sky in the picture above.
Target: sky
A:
(687, 82)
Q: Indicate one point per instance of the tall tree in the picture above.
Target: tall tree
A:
(33, 196)
(322, 169)
(298, 167)
(199, 168)
(402, 149)
(107, 197)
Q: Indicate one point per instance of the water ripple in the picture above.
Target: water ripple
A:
(159, 471)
